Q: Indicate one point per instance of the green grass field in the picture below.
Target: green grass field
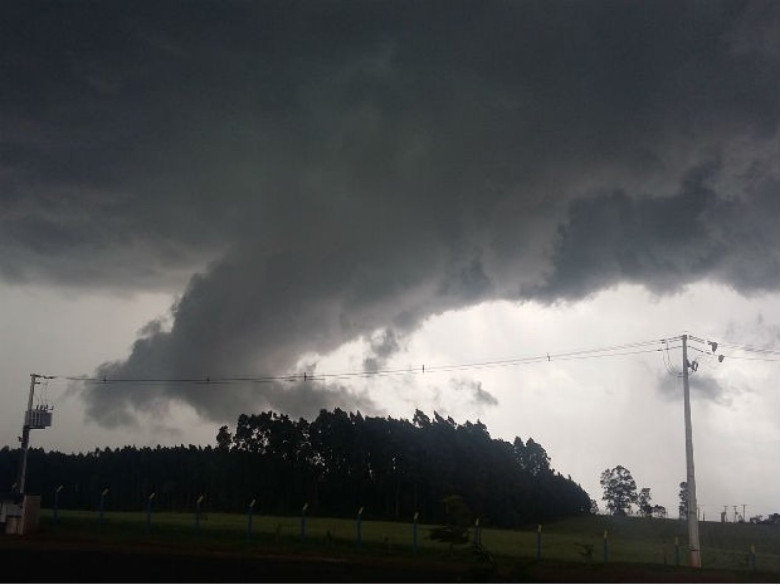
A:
(629, 540)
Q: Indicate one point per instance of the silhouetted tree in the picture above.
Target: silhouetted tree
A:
(458, 520)
(643, 502)
(619, 490)
(682, 510)
(337, 463)
(659, 512)
(224, 438)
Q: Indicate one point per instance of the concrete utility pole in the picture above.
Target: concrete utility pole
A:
(26, 436)
(693, 520)
(40, 418)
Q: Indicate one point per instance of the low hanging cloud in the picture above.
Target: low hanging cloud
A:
(701, 385)
(478, 396)
(381, 346)
(302, 175)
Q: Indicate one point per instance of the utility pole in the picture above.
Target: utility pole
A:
(693, 520)
(33, 419)
(26, 436)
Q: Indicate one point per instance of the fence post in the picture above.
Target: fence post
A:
(414, 532)
(303, 521)
(753, 557)
(539, 542)
(149, 513)
(197, 514)
(606, 547)
(358, 527)
(102, 505)
(249, 520)
(57, 502)
(677, 550)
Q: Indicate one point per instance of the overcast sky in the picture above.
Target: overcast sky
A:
(245, 189)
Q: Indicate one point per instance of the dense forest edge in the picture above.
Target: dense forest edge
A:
(336, 464)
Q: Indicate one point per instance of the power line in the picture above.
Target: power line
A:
(745, 348)
(661, 345)
(668, 362)
(626, 349)
(752, 349)
(737, 357)
(732, 356)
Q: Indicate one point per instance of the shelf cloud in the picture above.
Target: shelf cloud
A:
(306, 174)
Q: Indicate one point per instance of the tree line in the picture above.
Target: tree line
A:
(621, 495)
(337, 463)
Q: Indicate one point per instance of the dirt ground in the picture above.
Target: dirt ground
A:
(31, 560)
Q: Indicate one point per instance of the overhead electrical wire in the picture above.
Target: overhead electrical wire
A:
(744, 348)
(626, 349)
(764, 351)
(661, 345)
(752, 359)
(668, 362)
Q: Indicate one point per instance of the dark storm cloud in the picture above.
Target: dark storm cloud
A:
(334, 169)
(665, 242)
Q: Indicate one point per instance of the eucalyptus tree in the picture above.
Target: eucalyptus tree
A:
(619, 490)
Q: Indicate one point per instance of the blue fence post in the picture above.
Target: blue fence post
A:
(539, 542)
(752, 557)
(359, 527)
(102, 504)
(197, 514)
(606, 547)
(249, 520)
(149, 513)
(303, 521)
(57, 502)
(414, 532)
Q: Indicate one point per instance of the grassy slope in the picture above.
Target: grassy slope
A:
(630, 540)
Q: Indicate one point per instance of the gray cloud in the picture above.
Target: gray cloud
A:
(381, 346)
(702, 386)
(757, 333)
(666, 242)
(478, 395)
(329, 170)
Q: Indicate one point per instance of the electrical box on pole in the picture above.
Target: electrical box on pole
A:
(34, 418)
(38, 418)
(20, 511)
